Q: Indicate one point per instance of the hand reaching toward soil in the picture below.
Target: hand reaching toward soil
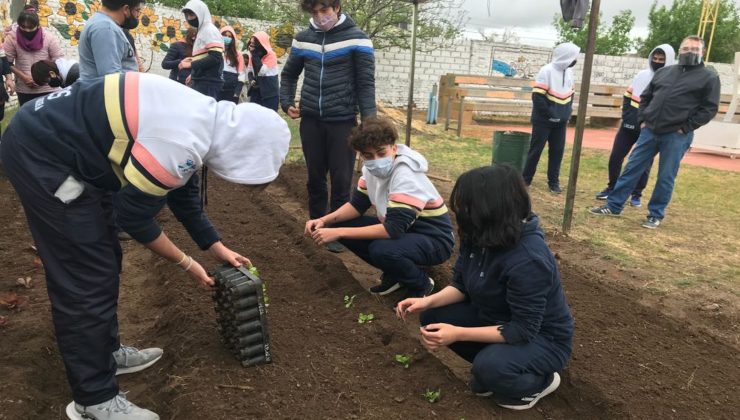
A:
(198, 273)
(223, 254)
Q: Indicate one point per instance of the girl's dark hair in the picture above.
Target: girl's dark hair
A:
(373, 133)
(28, 18)
(231, 51)
(190, 34)
(40, 71)
(490, 205)
(308, 5)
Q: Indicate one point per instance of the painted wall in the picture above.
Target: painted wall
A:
(161, 25)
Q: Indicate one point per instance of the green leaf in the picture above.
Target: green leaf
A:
(164, 47)
(84, 15)
(63, 29)
(159, 36)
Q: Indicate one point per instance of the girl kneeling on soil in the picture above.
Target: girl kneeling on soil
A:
(412, 226)
(505, 310)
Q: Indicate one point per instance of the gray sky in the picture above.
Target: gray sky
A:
(531, 19)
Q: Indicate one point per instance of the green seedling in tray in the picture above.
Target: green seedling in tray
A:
(403, 359)
(431, 395)
(349, 301)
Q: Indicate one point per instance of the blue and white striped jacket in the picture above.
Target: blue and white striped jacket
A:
(339, 73)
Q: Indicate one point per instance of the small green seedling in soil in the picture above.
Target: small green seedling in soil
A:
(365, 318)
(432, 396)
(403, 359)
(255, 272)
(349, 301)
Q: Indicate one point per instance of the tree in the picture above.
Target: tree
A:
(669, 25)
(255, 9)
(387, 21)
(610, 40)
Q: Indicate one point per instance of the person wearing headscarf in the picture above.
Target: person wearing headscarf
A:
(207, 62)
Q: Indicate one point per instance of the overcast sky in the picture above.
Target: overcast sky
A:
(531, 19)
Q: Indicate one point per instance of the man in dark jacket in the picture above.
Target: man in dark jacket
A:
(338, 62)
(678, 100)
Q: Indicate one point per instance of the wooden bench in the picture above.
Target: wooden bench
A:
(462, 96)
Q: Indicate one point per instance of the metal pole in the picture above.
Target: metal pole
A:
(581, 119)
(410, 110)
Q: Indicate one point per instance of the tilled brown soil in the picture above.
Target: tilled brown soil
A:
(630, 360)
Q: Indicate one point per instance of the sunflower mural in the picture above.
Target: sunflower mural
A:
(72, 11)
(219, 21)
(281, 38)
(44, 11)
(4, 15)
(73, 32)
(171, 30)
(147, 22)
(93, 6)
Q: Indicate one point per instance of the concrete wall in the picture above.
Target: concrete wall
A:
(392, 65)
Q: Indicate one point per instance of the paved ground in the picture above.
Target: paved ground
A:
(603, 139)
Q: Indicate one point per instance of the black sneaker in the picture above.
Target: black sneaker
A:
(555, 189)
(478, 389)
(385, 287)
(603, 195)
(420, 292)
(651, 223)
(603, 211)
(529, 402)
(335, 247)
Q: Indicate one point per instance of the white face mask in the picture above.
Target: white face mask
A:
(380, 168)
(326, 22)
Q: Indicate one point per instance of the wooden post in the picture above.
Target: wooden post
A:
(581, 121)
(460, 113)
(448, 111)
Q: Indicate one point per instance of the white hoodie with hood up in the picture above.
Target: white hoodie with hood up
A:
(555, 82)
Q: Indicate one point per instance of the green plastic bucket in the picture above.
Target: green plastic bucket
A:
(511, 147)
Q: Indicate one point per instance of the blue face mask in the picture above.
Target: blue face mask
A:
(227, 40)
(381, 168)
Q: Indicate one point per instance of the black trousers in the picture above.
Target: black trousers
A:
(82, 258)
(623, 143)
(327, 150)
(25, 97)
(555, 138)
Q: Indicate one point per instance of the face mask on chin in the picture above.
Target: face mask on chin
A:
(130, 22)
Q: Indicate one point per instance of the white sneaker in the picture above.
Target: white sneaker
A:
(529, 402)
(131, 359)
(117, 408)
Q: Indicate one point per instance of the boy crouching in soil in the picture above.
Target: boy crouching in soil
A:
(412, 227)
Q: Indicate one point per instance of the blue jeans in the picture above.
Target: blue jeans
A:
(671, 147)
(398, 258)
(509, 371)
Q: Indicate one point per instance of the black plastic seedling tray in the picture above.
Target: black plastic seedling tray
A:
(240, 311)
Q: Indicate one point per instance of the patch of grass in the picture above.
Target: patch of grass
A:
(9, 112)
(696, 246)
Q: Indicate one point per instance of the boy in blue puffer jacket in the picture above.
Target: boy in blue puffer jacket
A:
(338, 64)
(552, 105)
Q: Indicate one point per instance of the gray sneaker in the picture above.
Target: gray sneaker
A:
(131, 359)
(117, 408)
(651, 223)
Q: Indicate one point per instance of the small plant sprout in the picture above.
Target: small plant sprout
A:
(403, 359)
(255, 272)
(365, 318)
(349, 301)
(432, 396)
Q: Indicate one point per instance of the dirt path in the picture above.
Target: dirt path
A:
(630, 360)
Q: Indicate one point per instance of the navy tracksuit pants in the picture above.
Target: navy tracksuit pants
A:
(555, 138)
(327, 150)
(509, 371)
(398, 258)
(81, 254)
